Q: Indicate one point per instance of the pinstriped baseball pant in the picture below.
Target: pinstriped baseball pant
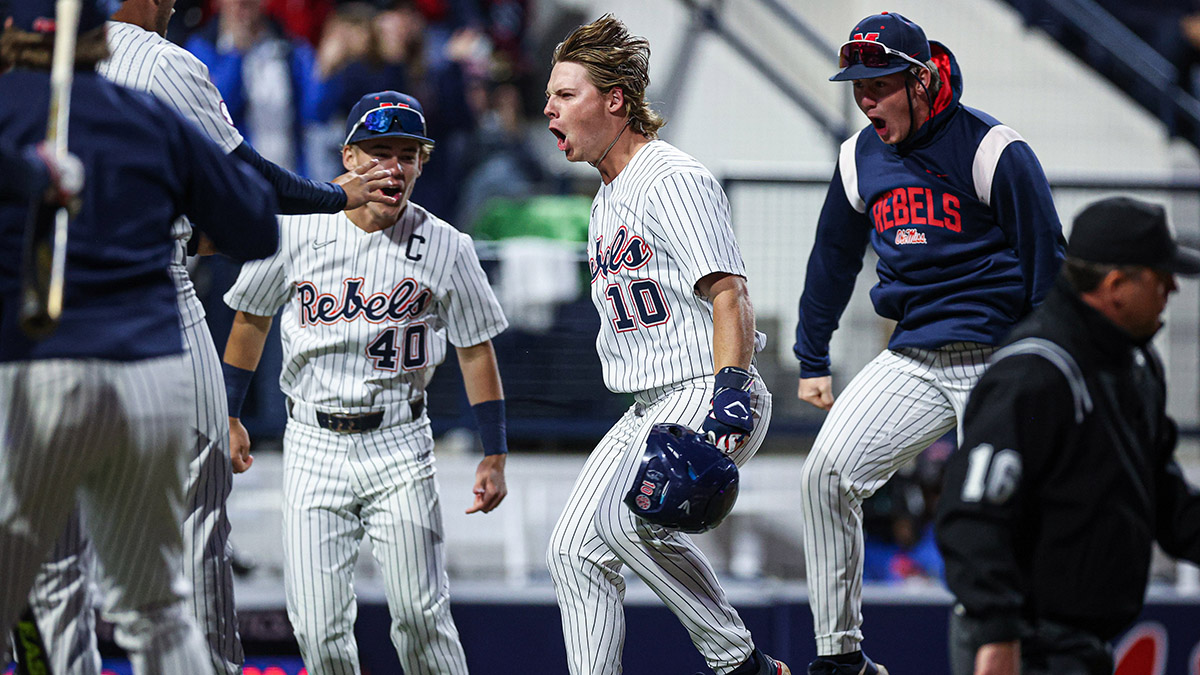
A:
(111, 435)
(381, 484)
(63, 603)
(61, 598)
(898, 405)
(597, 535)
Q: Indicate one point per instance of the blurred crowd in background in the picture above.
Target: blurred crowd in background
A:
(290, 70)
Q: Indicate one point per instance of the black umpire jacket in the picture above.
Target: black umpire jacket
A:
(1065, 478)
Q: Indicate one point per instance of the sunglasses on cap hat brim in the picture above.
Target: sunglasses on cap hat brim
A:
(872, 55)
(390, 119)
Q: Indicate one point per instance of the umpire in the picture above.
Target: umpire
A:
(1067, 475)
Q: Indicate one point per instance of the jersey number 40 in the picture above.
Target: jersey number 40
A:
(403, 347)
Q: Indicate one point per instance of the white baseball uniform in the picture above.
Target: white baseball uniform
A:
(895, 407)
(145, 61)
(110, 428)
(369, 316)
(659, 227)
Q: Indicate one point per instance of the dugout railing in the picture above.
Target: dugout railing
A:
(775, 219)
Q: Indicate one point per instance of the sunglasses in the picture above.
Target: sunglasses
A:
(871, 54)
(383, 120)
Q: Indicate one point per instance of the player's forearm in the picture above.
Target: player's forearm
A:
(296, 194)
(481, 375)
(733, 324)
(247, 338)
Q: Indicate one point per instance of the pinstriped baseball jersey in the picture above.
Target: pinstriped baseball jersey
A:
(659, 227)
(144, 60)
(368, 317)
(370, 313)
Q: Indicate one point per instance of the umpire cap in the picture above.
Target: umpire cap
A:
(1127, 231)
(386, 114)
(38, 16)
(684, 482)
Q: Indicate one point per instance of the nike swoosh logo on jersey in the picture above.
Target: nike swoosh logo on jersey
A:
(322, 244)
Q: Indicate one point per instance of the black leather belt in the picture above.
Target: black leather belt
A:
(357, 423)
(350, 424)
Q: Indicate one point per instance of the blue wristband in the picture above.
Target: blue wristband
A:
(489, 418)
(237, 382)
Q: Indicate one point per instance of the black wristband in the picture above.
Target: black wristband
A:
(237, 382)
(490, 419)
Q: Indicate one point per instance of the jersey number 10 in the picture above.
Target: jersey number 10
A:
(648, 303)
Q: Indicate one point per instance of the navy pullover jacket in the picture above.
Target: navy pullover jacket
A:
(961, 217)
(144, 166)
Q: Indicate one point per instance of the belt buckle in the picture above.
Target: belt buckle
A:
(344, 424)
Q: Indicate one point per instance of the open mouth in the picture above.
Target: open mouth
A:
(392, 191)
(879, 122)
(562, 138)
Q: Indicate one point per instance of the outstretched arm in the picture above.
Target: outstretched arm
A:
(242, 353)
(297, 194)
(481, 377)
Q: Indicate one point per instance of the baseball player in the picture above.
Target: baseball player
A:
(141, 58)
(98, 410)
(373, 297)
(669, 283)
(958, 209)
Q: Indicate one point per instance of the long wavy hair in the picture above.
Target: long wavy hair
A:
(614, 58)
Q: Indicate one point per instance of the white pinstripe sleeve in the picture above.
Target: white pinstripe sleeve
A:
(469, 306)
(262, 286)
(182, 81)
(692, 213)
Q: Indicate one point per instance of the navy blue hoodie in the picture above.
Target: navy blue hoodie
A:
(961, 217)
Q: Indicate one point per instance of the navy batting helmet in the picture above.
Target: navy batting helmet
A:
(684, 482)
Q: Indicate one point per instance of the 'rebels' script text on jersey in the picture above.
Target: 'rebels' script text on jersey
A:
(658, 228)
(368, 315)
(406, 300)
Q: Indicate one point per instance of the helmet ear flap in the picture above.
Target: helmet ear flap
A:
(684, 482)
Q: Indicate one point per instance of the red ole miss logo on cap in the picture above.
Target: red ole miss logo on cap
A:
(873, 37)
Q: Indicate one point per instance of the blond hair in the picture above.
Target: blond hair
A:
(614, 58)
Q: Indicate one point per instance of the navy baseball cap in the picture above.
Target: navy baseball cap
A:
(38, 16)
(880, 45)
(386, 114)
(1126, 231)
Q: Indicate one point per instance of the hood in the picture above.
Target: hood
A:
(947, 101)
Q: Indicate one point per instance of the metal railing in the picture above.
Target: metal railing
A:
(1106, 40)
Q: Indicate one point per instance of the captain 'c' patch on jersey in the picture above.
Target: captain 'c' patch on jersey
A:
(405, 301)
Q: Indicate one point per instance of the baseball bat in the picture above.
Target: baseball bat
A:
(28, 647)
(45, 254)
